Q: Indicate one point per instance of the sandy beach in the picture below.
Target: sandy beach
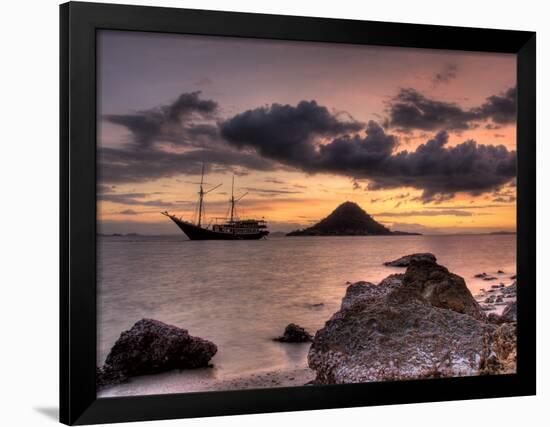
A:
(201, 380)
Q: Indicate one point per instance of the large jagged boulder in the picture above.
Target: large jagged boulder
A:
(151, 346)
(423, 324)
(395, 336)
(441, 288)
(405, 261)
(294, 334)
(366, 291)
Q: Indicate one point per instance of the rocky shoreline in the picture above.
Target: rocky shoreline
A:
(423, 323)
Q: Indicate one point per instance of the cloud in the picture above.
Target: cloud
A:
(501, 109)
(133, 199)
(129, 165)
(274, 181)
(307, 137)
(188, 123)
(446, 212)
(128, 212)
(509, 199)
(445, 75)
(285, 134)
(270, 192)
(470, 206)
(171, 122)
(411, 110)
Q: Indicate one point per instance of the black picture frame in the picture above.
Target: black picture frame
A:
(78, 25)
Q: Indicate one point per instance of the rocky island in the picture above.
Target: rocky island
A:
(348, 219)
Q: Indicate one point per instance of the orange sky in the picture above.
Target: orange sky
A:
(141, 73)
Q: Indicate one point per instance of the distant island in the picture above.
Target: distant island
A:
(277, 234)
(348, 219)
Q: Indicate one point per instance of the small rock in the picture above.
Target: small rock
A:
(500, 272)
(513, 277)
(480, 275)
(489, 278)
(294, 334)
(315, 305)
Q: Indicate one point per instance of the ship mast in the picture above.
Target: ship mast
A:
(201, 196)
(233, 200)
(202, 193)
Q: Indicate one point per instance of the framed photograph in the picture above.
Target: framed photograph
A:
(267, 213)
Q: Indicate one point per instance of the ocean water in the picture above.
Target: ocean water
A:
(241, 294)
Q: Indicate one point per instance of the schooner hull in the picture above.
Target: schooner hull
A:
(198, 233)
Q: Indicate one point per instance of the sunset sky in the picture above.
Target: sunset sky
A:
(423, 140)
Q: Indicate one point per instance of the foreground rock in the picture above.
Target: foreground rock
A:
(442, 288)
(504, 344)
(404, 261)
(108, 377)
(295, 334)
(510, 313)
(151, 346)
(423, 324)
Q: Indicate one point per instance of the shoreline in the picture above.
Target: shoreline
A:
(425, 307)
(195, 381)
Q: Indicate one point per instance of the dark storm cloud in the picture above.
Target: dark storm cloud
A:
(284, 136)
(284, 132)
(410, 110)
(501, 109)
(442, 171)
(438, 170)
(173, 122)
(187, 123)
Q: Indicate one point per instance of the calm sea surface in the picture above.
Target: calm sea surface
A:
(240, 294)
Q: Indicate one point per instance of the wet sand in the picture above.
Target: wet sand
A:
(201, 380)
